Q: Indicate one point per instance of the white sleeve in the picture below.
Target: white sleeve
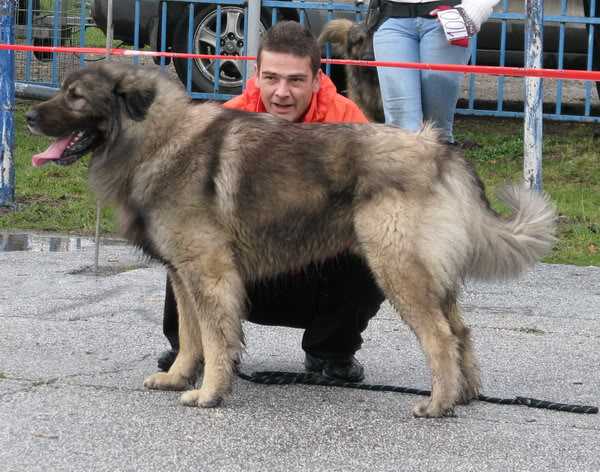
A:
(478, 10)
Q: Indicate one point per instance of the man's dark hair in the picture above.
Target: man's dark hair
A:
(290, 37)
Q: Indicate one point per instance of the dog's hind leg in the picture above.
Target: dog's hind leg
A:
(182, 373)
(468, 361)
(407, 285)
(389, 241)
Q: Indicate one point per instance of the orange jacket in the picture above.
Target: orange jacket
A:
(325, 106)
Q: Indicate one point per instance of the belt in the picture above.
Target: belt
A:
(413, 10)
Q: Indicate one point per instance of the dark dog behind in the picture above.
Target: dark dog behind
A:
(353, 41)
(223, 197)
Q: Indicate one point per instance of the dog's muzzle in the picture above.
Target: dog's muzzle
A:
(68, 149)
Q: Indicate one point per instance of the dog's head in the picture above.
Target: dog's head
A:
(348, 39)
(88, 111)
(360, 43)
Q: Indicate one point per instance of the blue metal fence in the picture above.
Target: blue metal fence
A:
(49, 23)
(7, 103)
(572, 40)
(581, 30)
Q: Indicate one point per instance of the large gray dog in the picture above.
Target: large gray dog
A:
(224, 197)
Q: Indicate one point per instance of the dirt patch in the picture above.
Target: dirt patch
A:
(107, 270)
(45, 200)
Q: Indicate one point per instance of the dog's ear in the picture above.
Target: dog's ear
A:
(137, 90)
(335, 32)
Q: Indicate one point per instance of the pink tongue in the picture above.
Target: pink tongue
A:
(52, 153)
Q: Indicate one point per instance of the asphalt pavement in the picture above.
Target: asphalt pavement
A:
(75, 347)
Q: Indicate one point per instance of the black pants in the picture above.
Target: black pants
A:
(332, 301)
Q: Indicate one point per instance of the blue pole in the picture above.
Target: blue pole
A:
(7, 104)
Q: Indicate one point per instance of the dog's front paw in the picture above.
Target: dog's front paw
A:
(202, 398)
(166, 381)
(429, 409)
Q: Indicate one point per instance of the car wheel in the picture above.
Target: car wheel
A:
(204, 41)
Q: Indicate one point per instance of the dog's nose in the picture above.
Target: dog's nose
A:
(31, 117)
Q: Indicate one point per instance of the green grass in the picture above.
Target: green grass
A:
(571, 175)
(54, 198)
(95, 38)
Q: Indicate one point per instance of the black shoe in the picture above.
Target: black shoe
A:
(166, 359)
(348, 369)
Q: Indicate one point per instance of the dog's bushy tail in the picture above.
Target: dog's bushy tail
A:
(509, 246)
(336, 33)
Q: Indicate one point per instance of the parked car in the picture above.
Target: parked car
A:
(232, 39)
(232, 36)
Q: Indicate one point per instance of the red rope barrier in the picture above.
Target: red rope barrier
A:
(566, 74)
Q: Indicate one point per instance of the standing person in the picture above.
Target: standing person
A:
(410, 32)
(333, 301)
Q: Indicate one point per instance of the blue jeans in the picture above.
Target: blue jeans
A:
(412, 96)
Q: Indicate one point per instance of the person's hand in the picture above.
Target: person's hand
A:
(455, 23)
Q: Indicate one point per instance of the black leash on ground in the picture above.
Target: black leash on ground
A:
(305, 378)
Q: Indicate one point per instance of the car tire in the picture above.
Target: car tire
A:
(204, 42)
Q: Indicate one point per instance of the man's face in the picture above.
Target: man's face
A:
(286, 84)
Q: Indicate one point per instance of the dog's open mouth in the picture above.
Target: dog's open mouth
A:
(67, 150)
